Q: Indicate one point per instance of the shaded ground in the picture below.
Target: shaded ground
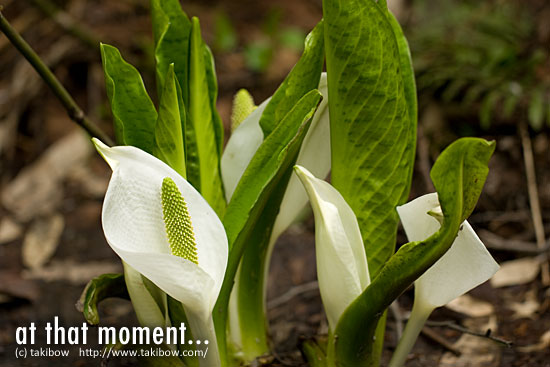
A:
(52, 187)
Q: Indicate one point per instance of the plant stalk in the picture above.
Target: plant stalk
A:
(73, 110)
(419, 315)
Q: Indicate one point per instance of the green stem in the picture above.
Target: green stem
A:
(204, 330)
(419, 315)
(73, 110)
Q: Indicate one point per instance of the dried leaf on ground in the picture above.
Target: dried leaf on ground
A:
(13, 286)
(73, 272)
(526, 309)
(41, 240)
(515, 272)
(471, 306)
(37, 189)
(9, 230)
(475, 351)
(543, 343)
(91, 184)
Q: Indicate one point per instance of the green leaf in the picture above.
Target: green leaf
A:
(171, 32)
(97, 289)
(373, 118)
(303, 78)
(134, 114)
(204, 123)
(458, 176)
(487, 106)
(264, 179)
(535, 110)
(213, 93)
(409, 86)
(169, 140)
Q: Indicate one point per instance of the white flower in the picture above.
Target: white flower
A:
(314, 155)
(164, 229)
(342, 268)
(463, 267)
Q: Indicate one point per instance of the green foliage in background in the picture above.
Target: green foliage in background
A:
(486, 56)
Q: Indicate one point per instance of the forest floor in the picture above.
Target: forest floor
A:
(52, 186)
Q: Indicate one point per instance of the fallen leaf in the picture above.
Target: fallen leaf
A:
(71, 271)
(13, 286)
(543, 343)
(471, 306)
(515, 272)
(527, 308)
(475, 350)
(37, 189)
(91, 184)
(41, 240)
(9, 231)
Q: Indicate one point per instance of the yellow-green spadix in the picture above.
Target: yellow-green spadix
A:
(164, 229)
(342, 268)
(464, 266)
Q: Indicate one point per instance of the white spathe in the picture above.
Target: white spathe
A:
(464, 266)
(314, 155)
(342, 268)
(134, 227)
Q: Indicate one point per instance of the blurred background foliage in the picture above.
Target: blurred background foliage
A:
(488, 57)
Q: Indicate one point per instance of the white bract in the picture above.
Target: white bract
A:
(464, 266)
(164, 229)
(314, 155)
(342, 268)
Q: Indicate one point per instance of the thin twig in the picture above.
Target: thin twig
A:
(487, 334)
(496, 242)
(534, 196)
(293, 292)
(73, 110)
(432, 335)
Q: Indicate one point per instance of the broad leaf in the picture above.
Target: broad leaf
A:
(371, 128)
(263, 180)
(302, 78)
(409, 86)
(205, 126)
(458, 176)
(169, 142)
(171, 31)
(97, 289)
(134, 114)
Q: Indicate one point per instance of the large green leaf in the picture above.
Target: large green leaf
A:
(205, 126)
(171, 32)
(371, 127)
(97, 289)
(302, 78)
(409, 86)
(169, 142)
(268, 171)
(458, 176)
(134, 114)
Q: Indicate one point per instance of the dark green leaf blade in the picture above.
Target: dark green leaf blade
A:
(458, 176)
(269, 169)
(97, 289)
(371, 125)
(204, 124)
(169, 143)
(171, 32)
(134, 114)
(303, 78)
